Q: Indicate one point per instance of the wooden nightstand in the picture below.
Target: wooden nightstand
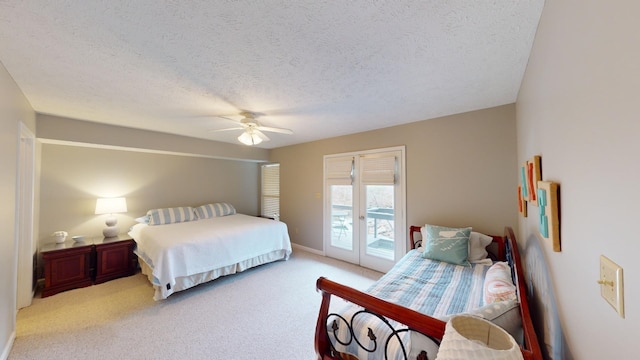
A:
(115, 258)
(74, 265)
(67, 266)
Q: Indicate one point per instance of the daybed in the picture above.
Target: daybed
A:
(182, 247)
(403, 314)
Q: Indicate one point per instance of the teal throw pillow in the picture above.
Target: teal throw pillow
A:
(447, 244)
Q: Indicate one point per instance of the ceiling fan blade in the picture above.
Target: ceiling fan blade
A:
(261, 135)
(229, 129)
(276, 130)
(228, 117)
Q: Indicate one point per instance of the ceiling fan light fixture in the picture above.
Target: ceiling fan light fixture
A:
(249, 138)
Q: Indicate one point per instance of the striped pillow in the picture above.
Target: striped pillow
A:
(214, 210)
(171, 215)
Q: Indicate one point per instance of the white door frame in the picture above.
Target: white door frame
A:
(24, 240)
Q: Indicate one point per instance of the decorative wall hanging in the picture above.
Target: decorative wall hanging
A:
(533, 173)
(522, 203)
(522, 191)
(549, 219)
(523, 181)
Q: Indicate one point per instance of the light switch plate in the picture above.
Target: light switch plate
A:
(611, 284)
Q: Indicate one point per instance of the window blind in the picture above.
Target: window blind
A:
(340, 168)
(378, 170)
(271, 190)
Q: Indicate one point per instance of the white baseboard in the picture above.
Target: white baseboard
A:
(307, 249)
(8, 346)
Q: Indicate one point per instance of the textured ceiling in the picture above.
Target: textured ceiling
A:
(319, 68)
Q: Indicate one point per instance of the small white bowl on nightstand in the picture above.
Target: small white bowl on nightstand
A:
(78, 238)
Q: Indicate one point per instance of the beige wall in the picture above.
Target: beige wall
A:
(14, 108)
(578, 109)
(60, 129)
(460, 171)
(72, 177)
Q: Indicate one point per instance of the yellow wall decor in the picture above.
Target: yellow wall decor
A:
(549, 219)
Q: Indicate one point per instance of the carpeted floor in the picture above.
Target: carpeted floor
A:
(264, 313)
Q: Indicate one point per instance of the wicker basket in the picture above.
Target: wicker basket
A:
(470, 337)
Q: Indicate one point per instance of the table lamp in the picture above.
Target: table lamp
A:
(111, 206)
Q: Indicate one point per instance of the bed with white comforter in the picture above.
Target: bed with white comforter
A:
(178, 256)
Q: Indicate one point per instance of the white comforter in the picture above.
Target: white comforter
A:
(189, 248)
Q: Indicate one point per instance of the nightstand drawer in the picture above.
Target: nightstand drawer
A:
(114, 260)
(67, 269)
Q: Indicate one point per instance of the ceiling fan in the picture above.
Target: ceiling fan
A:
(253, 131)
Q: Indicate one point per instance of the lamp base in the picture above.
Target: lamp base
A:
(110, 231)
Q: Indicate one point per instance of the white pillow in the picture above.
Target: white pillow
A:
(478, 246)
(505, 314)
(143, 219)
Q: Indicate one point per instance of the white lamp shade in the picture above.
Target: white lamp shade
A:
(249, 138)
(471, 337)
(111, 205)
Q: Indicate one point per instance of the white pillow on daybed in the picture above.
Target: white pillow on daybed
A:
(478, 246)
(505, 314)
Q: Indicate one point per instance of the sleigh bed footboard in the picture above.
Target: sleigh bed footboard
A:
(385, 335)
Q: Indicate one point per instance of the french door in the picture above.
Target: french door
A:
(364, 207)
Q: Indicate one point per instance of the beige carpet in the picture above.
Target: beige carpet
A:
(264, 313)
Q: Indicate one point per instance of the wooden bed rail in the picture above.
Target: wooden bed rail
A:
(507, 250)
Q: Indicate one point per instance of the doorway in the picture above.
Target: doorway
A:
(364, 207)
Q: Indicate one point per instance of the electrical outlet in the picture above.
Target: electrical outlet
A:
(611, 285)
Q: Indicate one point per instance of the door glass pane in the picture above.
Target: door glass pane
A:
(380, 221)
(342, 216)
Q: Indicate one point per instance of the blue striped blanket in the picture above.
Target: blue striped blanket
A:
(435, 288)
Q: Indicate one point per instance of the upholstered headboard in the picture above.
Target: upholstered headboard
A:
(542, 302)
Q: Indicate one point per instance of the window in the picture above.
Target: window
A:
(271, 191)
